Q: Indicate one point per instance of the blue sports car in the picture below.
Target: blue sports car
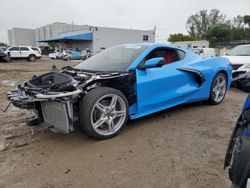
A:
(125, 81)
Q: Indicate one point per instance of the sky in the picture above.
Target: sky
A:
(169, 16)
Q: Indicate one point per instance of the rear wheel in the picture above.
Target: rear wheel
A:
(218, 89)
(32, 58)
(103, 112)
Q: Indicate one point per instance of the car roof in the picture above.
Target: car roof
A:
(150, 45)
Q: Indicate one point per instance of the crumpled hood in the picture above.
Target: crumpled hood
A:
(238, 59)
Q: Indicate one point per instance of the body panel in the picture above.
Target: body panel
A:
(167, 86)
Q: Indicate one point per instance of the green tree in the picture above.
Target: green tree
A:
(238, 22)
(3, 44)
(247, 20)
(181, 37)
(219, 34)
(198, 24)
(53, 44)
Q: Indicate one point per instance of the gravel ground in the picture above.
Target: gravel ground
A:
(180, 147)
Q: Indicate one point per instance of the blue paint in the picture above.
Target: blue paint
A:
(163, 87)
(247, 103)
(83, 37)
(247, 132)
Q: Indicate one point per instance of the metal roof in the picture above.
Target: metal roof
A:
(82, 37)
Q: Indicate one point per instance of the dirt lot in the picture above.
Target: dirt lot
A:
(180, 147)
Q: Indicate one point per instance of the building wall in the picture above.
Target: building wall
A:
(48, 31)
(58, 28)
(76, 45)
(21, 37)
(10, 37)
(104, 37)
(192, 44)
(42, 34)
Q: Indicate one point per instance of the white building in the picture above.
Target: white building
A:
(21, 37)
(70, 36)
(98, 38)
(29, 37)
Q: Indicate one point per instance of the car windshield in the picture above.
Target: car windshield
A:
(240, 51)
(116, 58)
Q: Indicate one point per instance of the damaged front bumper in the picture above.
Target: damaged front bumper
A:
(50, 107)
(53, 97)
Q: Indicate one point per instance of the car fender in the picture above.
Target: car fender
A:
(209, 67)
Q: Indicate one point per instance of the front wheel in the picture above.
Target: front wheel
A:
(32, 58)
(103, 112)
(218, 89)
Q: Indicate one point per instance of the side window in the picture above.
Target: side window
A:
(14, 49)
(24, 49)
(35, 49)
(169, 54)
(181, 54)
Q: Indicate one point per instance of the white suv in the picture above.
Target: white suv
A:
(25, 52)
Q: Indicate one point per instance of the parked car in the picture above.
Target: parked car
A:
(72, 55)
(237, 158)
(85, 54)
(56, 55)
(239, 58)
(125, 81)
(204, 52)
(3, 48)
(4, 57)
(25, 52)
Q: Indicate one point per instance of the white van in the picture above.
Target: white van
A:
(204, 52)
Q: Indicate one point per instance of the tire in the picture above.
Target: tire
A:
(213, 98)
(236, 172)
(32, 58)
(7, 59)
(98, 117)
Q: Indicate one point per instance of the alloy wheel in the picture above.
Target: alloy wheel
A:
(108, 114)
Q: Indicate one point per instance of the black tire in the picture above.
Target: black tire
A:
(211, 99)
(7, 59)
(237, 170)
(32, 58)
(86, 106)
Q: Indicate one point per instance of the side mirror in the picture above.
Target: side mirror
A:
(155, 62)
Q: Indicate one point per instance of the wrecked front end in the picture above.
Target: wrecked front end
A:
(52, 98)
(241, 76)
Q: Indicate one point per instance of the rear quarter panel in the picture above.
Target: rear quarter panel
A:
(209, 67)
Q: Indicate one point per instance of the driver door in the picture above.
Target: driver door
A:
(159, 88)
(15, 52)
